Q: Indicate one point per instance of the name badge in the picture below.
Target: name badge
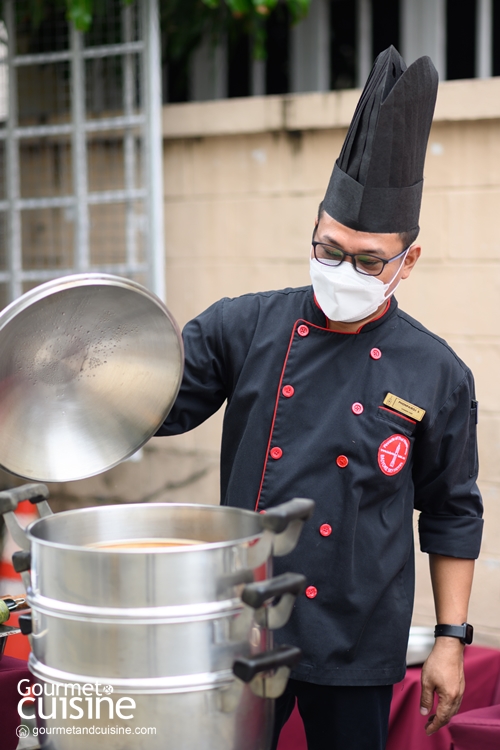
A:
(404, 407)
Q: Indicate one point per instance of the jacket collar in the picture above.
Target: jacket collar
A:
(316, 316)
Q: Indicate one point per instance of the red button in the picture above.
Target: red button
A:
(303, 331)
(276, 453)
(325, 529)
(262, 511)
(311, 592)
(357, 408)
(342, 461)
(288, 391)
(375, 353)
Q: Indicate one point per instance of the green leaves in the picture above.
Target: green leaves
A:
(80, 13)
(183, 22)
(239, 8)
(298, 9)
(264, 7)
(254, 13)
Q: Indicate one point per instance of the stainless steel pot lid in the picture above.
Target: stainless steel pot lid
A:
(90, 366)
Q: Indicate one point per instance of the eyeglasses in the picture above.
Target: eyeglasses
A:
(369, 265)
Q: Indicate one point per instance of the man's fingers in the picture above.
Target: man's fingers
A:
(446, 708)
(429, 727)
(436, 721)
(426, 698)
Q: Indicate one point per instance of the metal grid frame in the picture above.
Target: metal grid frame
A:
(149, 123)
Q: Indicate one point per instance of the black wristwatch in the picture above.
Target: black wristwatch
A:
(463, 632)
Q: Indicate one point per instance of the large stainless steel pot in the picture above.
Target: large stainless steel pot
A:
(182, 630)
(90, 367)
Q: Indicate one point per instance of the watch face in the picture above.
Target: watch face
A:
(469, 632)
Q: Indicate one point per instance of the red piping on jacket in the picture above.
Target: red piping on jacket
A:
(275, 411)
(391, 411)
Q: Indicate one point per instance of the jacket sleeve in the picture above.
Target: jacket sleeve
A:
(445, 470)
(203, 387)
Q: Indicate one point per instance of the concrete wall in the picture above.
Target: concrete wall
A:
(243, 179)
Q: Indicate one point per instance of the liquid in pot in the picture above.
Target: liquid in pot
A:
(128, 544)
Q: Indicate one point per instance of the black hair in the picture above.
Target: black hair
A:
(407, 238)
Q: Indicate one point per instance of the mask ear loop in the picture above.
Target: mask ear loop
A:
(388, 296)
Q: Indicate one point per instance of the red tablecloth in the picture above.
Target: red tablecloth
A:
(475, 729)
(11, 671)
(406, 725)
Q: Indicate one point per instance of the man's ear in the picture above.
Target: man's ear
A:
(411, 258)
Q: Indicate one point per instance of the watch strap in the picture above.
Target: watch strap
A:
(463, 632)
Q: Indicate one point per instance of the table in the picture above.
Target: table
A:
(406, 725)
(479, 728)
(11, 671)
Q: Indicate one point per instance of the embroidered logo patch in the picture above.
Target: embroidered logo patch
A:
(392, 454)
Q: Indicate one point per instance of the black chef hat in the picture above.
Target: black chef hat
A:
(376, 183)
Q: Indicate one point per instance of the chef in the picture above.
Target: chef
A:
(332, 392)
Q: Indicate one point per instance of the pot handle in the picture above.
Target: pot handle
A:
(26, 627)
(255, 670)
(21, 561)
(37, 494)
(26, 624)
(286, 522)
(284, 589)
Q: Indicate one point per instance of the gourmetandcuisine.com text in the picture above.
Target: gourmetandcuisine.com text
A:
(38, 731)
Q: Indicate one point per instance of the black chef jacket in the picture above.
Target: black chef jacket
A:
(305, 417)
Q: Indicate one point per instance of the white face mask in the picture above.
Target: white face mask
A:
(345, 295)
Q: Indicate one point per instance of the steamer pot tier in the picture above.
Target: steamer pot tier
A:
(186, 631)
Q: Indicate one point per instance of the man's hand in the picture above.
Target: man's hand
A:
(443, 674)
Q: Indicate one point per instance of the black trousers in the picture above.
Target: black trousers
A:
(337, 718)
